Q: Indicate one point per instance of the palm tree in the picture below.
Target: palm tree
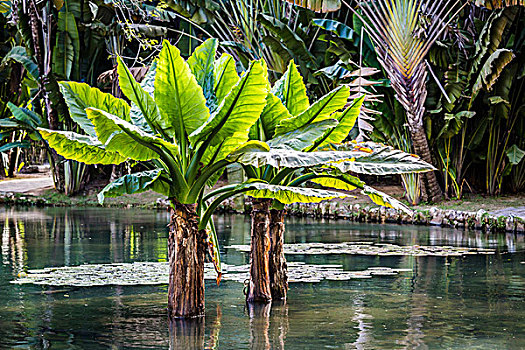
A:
(403, 32)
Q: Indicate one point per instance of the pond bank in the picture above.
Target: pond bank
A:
(501, 220)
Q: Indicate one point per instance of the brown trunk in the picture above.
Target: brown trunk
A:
(259, 288)
(186, 334)
(430, 187)
(278, 276)
(186, 250)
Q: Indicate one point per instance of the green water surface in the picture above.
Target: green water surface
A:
(470, 302)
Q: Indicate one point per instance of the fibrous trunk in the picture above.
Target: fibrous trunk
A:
(186, 250)
(259, 287)
(431, 189)
(278, 273)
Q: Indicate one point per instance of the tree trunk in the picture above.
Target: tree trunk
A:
(430, 186)
(186, 250)
(259, 288)
(278, 275)
(259, 326)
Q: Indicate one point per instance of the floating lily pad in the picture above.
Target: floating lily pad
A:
(156, 273)
(367, 248)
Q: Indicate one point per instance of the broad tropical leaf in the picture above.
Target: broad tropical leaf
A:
(201, 63)
(79, 96)
(129, 184)
(293, 159)
(81, 148)
(291, 90)
(303, 137)
(225, 76)
(320, 110)
(239, 110)
(127, 139)
(376, 159)
(289, 195)
(178, 95)
(20, 55)
(384, 199)
(346, 120)
(136, 94)
(24, 115)
(66, 53)
(17, 144)
(491, 70)
(515, 154)
(342, 182)
(148, 84)
(273, 113)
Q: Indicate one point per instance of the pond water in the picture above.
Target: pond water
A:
(455, 302)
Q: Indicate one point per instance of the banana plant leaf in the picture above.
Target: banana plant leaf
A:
(201, 63)
(239, 110)
(127, 139)
(178, 95)
(304, 137)
(66, 53)
(11, 145)
(79, 96)
(289, 195)
(225, 76)
(377, 159)
(20, 55)
(273, 113)
(291, 89)
(81, 148)
(320, 110)
(491, 70)
(385, 200)
(138, 96)
(129, 184)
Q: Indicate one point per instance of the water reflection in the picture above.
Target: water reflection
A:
(462, 302)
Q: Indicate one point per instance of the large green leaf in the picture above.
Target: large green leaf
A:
(376, 159)
(239, 110)
(515, 154)
(273, 113)
(66, 53)
(180, 98)
(79, 96)
(293, 159)
(291, 90)
(289, 195)
(136, 94)
(81, 148)
(342, 182)
(320, 110)
(148, 84)
(346, 120)
(129, 184)
(492, 69)
(225, 76)
(17, 144)
(26, 116)
(127, 139)
(292, 41)
(303, 137)
(20, 55)
(201, 63)
(384, 199)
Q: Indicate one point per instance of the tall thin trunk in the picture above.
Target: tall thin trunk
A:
(186, 250)
(278, 273)
(259, 288)
(429, 181)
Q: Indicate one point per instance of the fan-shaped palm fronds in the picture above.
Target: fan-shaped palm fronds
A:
(403, 32)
